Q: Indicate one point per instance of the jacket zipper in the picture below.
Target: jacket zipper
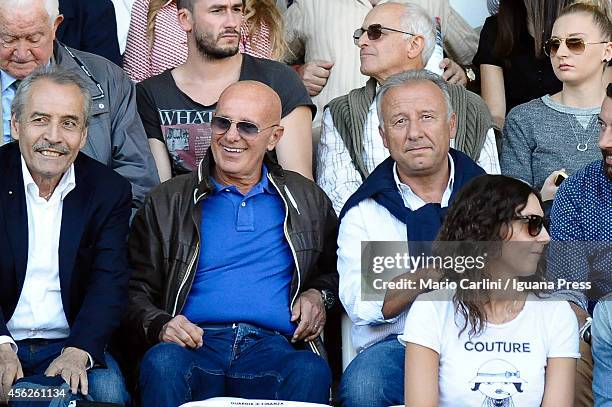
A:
(297, 266)
(178, 294)
(192, 262)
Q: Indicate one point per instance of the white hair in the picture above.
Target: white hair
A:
(415, 20)
(51, 6)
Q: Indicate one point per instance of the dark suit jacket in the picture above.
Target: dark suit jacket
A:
(93, 267)
(91, 26)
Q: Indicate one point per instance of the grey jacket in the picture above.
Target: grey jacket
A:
(116, 136)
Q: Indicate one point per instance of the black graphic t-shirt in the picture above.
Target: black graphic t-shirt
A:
(183, 125)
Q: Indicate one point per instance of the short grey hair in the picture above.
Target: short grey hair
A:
(409, 77)
(415, 20)
(55, 75)
(51, 6)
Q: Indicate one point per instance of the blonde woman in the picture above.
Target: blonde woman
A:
(560, 131)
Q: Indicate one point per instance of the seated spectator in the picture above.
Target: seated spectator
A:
(81, 28)
(156, 41)
(559, 132)
(350, 147)
(492, 346)
(513, 67)
(405, 197)
(177, 106)
(581, 221)
(63, 265)
(116, 136)
(602, 352)
(222, 314)
(316, 33)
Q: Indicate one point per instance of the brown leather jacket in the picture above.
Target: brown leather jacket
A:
(164, 244)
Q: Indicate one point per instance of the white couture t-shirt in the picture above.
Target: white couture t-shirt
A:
(503, 366)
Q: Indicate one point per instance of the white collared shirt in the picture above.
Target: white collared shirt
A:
(370, 221)
(336, 173)
(40, 311)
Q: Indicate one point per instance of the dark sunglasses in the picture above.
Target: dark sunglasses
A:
(221, 125)
(535, 223)
(374, 32)
(574, 44)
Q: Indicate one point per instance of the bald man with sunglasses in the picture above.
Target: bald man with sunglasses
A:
(234, 265)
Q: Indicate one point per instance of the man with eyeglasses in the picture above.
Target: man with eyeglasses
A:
(393, 38)
(581, 252)
(318, 34)
(403, 200)
(234, 265)
(116, 135)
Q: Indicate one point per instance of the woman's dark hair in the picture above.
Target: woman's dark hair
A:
(512, 21)
(476, 223)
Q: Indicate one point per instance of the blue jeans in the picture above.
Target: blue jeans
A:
(238, 360)
(602, 352)
(375, 378)
(105, 385)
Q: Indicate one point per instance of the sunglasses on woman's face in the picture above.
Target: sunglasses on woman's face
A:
(374, 32)
(574, 44)
(221, 125)
(535, 223)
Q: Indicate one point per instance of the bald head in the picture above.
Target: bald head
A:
(237, 148)
(264, 100)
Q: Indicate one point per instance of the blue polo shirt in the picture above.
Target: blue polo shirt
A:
(246, 265)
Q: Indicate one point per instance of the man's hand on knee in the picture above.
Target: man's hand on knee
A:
(310, 310)
(183, 332)
(10, 370)
(72, 366)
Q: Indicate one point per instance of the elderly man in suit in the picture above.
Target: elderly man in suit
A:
(63, 264)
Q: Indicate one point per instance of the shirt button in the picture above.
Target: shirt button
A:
(227, 190)
(101, 106)
(243, 204)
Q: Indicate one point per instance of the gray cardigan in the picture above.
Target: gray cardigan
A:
(541, 136)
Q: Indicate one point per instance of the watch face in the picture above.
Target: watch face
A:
(470, 74)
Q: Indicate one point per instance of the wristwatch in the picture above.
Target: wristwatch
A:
(328, 298)
(471, 75)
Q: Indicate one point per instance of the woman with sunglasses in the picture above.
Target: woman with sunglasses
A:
(558, 133)
(486, 342)
(513, 66)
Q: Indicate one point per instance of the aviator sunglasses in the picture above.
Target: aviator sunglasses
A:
(535, 223)
(574, 44)
(221, 125)
(374, 32)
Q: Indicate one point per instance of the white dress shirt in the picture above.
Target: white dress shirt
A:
(369, 221)
(40, 312)
(337, 175)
